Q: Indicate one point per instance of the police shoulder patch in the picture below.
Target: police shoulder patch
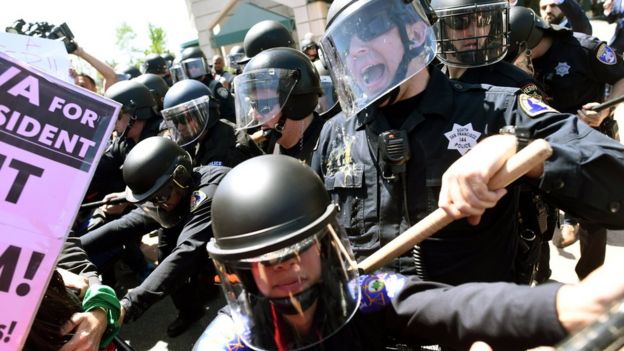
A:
(531, 90)
(222, 92)
(532, 106)
(197, 199)
(606, 55)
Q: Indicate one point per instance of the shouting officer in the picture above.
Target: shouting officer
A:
(291, 281)
(173, 196)
(385, 159)
(278, 92)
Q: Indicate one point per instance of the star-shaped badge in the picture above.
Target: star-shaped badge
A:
(462, 138)
(562, 69)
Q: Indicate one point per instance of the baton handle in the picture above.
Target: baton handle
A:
(95, 204)
(608, 104)
(599, 335)
(515, 167)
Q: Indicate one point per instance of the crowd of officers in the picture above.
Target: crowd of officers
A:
(385, 116)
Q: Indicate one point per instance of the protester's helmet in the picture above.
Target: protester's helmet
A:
(284, 221)
(154, 63)
(188, 112)
(526, 30)
(276, 80)
(154, 169)
(471, 33)
(373, 46)
(135, 98)
(156, 85)
(266, 35)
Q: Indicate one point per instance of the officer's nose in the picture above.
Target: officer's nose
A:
(358, 47)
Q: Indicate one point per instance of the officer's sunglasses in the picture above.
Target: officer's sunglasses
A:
(164, 194)
(369, 25)
(264, 106)
(463, 22)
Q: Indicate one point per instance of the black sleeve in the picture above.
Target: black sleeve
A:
(602, 70)
(576, 16)
(191, 246)
(74, 259)
(115, 233)
(583, 176)
(506, 316)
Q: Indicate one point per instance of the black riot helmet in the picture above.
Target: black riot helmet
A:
(471, 33)
(156, 85)
(236, 54)
(194, 64)
(153, 171)
(126, 72)
(151, 164)
(154, 63)
(265, 35)
(189, 110)
(168, 57)
(283, 217)
(400, 27)
(136, 98)
(527, 30)
(276, 80)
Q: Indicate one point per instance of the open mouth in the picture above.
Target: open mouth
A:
(373, 73)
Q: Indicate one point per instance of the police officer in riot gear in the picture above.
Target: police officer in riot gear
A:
(386, 160)
(193, 65)
(126, 72)
(173, 196)
(278, 92)
(266, 35)
(310, 48)
(291, 281)
(193, 122)
(236, 54)
(156, 64)
(156, 85)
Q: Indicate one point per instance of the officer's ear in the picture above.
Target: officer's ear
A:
(417, 33)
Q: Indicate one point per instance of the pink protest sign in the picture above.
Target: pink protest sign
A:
(52, 135)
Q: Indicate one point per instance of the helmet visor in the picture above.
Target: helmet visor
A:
(187, 121)
(374, 46)
(472, 36)
(177, 73)
(194, 67)
(261, 95)
(328, 99)
(314, 281)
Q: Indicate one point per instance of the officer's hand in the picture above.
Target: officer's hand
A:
(465, 191)
(115, 209)
(74, 281)
(580, 304)
(590, 117)
(88, 329)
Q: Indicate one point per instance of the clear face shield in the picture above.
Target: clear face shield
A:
(328, 99)
(177, 73)
(233, 60)
(373, 47)
(261, 95)
(194, 68)
(187, 121)
(311, 283)
(473, 36)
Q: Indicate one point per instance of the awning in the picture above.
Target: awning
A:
(244, 16)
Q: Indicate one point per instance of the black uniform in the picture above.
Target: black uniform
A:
(442, 122)
(223, 97)
(574, 72)
(413, 312)
(575, 17)
(182, 247)
(223, 145)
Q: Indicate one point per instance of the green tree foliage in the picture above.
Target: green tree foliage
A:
(158, 40)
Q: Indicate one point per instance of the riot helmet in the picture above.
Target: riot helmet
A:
(236, 54)
(193, 63)
(266, 35)
(135, 97)
(310, 48)
(154, 63)
(373, 46)
(156, 85)
(188, 111)
(283, 256)
(278, 80)
(168, 57)
(471, 33)
(126, 72)
(328, 99)
(158, 175)
(527, 30)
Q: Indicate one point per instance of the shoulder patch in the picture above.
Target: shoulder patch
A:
(606, 55)
(532, 90)
(532, 106)
(378, 290)
(197, 198)
(223, 93)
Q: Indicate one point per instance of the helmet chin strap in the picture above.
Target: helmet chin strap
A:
(305, 299)
(274, 134)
